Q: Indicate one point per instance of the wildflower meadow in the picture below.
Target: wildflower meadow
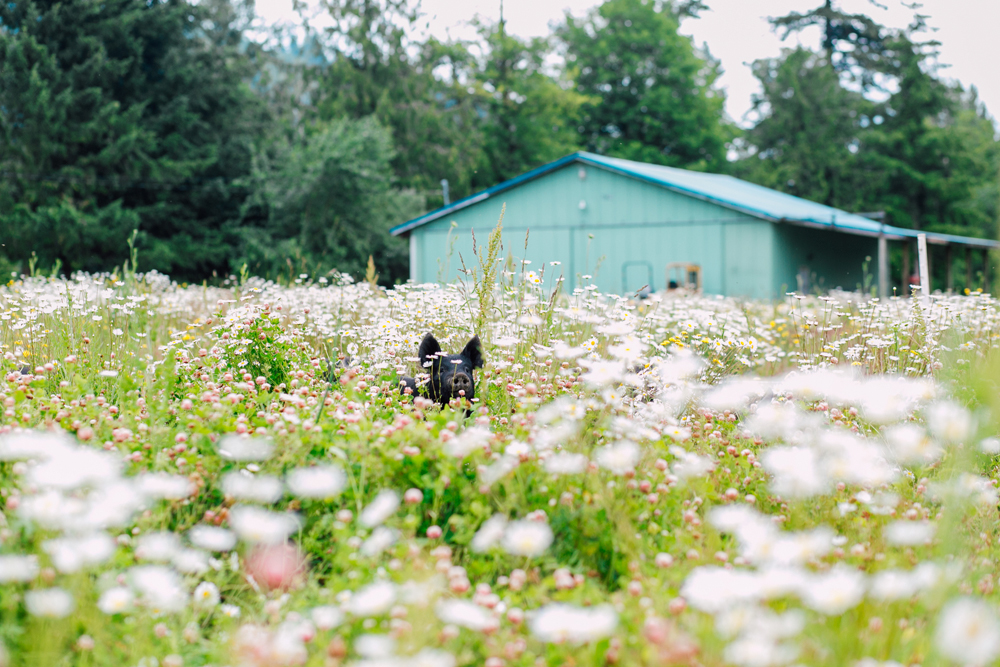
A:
(229, 475)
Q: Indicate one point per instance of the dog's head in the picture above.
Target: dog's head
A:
(451, 374)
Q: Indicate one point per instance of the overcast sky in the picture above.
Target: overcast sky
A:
(737, 33)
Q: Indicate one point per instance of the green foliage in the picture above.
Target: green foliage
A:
(924, 151)
(596, 549)
(328, 201)
(368, 42)
(854, 44)
(653, 93)
(370, 66)
(806, 139)
(118, 115)
(528, 117)
(60, 232)
(935, 153)
(486, 276)
(474, 113)
(258, 345)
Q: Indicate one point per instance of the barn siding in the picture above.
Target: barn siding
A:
(624, 235)
(748, 248)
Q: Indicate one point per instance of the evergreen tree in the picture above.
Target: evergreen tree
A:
(935, 149)
(927, 155)
(854, 44)
(654, 99)
(121, 115)
(809, 131)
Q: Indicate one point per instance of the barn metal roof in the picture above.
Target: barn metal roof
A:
(727, 191)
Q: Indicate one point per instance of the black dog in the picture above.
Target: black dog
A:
(450, 374)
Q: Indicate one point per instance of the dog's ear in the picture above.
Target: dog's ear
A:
(428, 348)
(473, 351)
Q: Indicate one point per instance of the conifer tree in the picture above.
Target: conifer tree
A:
(808, 133)
(121, 115)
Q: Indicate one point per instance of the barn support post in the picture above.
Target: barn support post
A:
(414, 258)
(905, 287)
(968, 268)
(948, 269)
(924, 262)
(986, 270)
(883, 267)
(930, 273)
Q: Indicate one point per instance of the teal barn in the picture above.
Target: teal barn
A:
(626, 226)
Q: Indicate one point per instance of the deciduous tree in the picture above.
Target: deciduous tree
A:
(654, 93)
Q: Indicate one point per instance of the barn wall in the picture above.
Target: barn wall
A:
(749, 258)
(830, 259)
(620, 230)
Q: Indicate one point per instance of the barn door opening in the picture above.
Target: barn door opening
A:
(682, 275)
(637, 277)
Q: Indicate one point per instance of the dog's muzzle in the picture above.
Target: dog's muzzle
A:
(461, 382)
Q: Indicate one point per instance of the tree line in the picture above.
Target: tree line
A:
(296, 152)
